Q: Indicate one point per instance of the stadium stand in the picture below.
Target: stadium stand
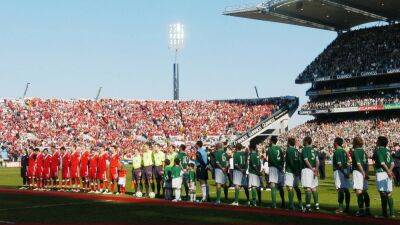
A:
(62, 122)
(355, 80)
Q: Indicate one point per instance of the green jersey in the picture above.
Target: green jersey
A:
(183, 158)
(239, 159)
(254, 163)
(275, 157)
(176, 171)
(359, 158)
(382, 156)
(158, 158)
(192, 176)
(167, 173)
(293, 161)
(221, 158)
(148, 158)
(137, 161)
(308, 153)
(339, 159)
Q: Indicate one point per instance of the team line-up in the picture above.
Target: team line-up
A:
(164, 170)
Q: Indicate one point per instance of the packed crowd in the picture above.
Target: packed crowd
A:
(366, 50)
(352, 101)
(368, 129)
(123, 122)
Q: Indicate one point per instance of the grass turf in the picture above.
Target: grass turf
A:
(51, 210)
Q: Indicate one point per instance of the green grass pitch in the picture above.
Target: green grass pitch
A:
(15, 208)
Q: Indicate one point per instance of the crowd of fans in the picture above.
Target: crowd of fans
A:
(124, 123)
(323, 132)
(366, 50)
(353, 101)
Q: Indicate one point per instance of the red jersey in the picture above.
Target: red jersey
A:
(39, 160)
(74, 160)
(55, 159)
(93, 166)
(31, 164)
(46, 166)
(102, 162)
(114, 160)
(122, 173)
(84, 164)
(66, 163)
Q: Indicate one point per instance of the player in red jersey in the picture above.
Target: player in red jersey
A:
(65, 168)
(84, 169)
(114, 164)
(75, 157)
(121, 179)
(102, 171)
(31, 167)
(93, 161)
(39, 169)
(46, 169)
(54, 167)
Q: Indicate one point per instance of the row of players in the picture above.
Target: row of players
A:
(290, 168)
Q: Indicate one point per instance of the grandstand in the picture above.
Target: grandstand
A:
(355, 82)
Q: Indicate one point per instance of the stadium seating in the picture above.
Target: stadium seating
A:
(118, 121)
(372, 50)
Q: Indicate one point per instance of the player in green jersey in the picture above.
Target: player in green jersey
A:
(184, 161)
(293, 168)
(276, 175)
(360, 176)
(341, 174)
(192, 182)
(167, 180)
(239, 172)
(254, 169)
(384, 176)
(220, 169)
(309, 173)
(176, 173)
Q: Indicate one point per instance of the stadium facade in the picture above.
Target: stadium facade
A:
(357, 75)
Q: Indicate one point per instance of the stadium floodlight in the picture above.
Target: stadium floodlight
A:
(176, 43)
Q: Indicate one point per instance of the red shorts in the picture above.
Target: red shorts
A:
(66, 173)
(113, 173)
(38, 172)
(102, 175)
(74, 172)
(31, 171)
(93, 173)
(54, 172)
(46, 173)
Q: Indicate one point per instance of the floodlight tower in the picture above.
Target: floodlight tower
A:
(176, 40)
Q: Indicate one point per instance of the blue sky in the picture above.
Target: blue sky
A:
(67, 49)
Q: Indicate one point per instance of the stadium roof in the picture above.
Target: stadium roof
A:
(334, 15)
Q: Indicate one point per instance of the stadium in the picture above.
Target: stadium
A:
(228, 161)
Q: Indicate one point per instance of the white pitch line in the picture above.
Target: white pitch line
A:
(46, 206)
(6, 222)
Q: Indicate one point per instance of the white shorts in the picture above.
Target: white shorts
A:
(192, 186)
(121, 181)
(359, 182)
(340, 180)
(177, 183)
(220, 177)
(383, 182)
(308, 180)
(254, 180)
(291, 180)
(237, 177)
(275, 176)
